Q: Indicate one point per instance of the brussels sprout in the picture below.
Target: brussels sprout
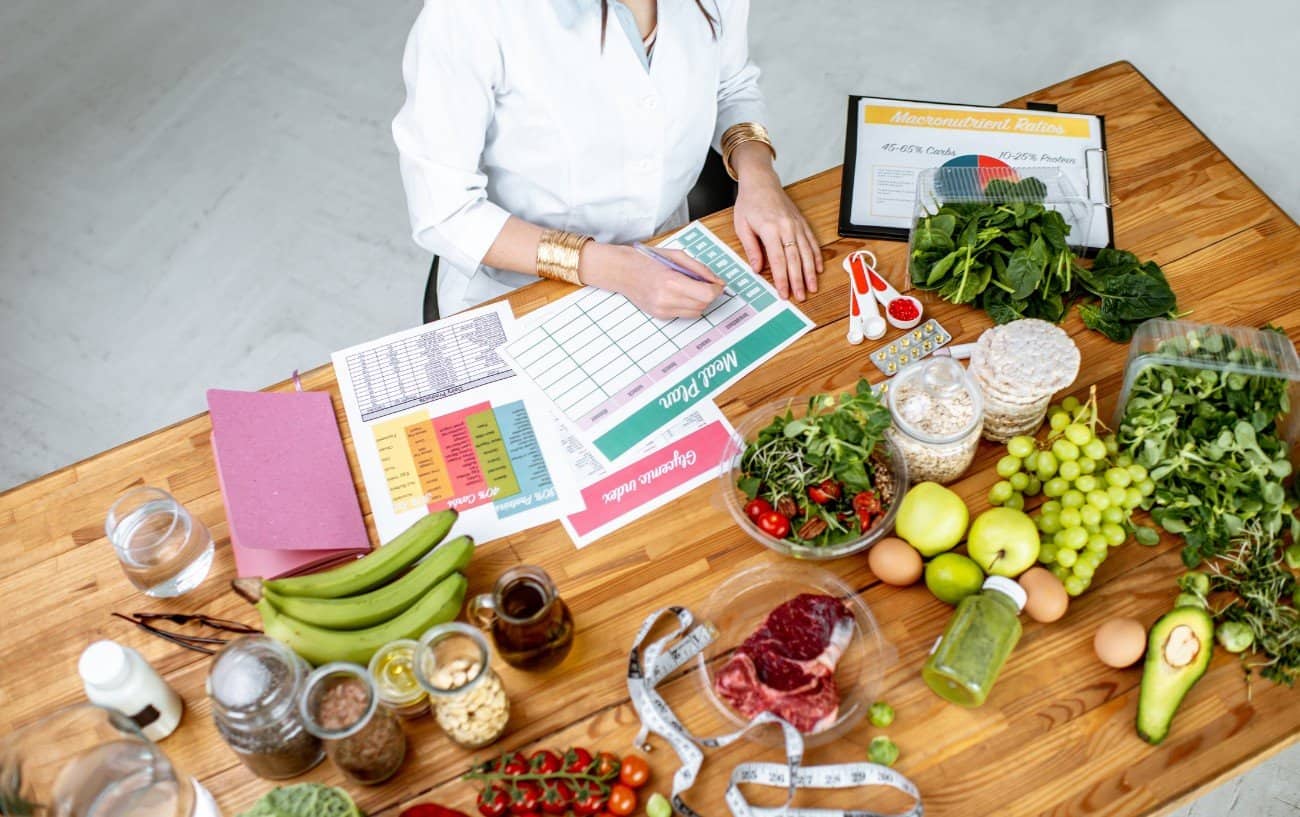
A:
(1194, 581)
(882, 750)
(1235, 636)
(880, 714)
(1188, 600)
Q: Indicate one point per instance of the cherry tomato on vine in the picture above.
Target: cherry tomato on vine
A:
(589, 799)
(557, 797)
(577, 760)
(774, 525)
(606, 766)
(756, 508)
(515, 764)
(622, 800)
(544, 761)
(635, 772)
(525, 797)
(493, 801)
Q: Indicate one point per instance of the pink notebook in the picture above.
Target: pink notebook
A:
(290, 502)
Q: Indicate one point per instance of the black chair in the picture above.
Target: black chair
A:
(713, 191)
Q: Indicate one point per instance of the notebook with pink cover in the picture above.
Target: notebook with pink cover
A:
(290, 502)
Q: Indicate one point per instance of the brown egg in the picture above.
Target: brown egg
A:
(895, 562)
(1047, 600)
(1120, 642)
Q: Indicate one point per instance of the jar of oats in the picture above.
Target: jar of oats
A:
(469, 701)
(938, 414)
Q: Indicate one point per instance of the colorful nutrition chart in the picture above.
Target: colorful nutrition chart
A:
(440, 420)
(616, 375)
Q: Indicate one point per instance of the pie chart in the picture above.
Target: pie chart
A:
(988, 168)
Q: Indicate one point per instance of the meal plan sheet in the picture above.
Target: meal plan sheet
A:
(440, 420)
(616, 375)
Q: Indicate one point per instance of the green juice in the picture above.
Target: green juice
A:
(980, 635)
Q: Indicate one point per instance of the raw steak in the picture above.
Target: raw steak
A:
(787, 666)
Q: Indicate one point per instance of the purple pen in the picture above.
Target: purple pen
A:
(668, 262)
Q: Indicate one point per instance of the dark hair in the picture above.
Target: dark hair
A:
(604, 20)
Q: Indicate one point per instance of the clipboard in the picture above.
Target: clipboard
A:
(887, 142)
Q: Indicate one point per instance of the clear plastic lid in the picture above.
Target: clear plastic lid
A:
(1240, 350)
(925, 389)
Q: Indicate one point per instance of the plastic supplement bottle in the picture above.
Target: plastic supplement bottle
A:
(980, 635)
(118, 677)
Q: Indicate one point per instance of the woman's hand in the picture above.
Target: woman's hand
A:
(769, 224)
(655, 289)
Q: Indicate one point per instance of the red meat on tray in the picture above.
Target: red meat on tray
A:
(787, 666)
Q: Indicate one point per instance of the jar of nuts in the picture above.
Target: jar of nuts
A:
(938, 413)
(469, 701)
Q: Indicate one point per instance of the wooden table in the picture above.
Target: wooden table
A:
(1056, 736)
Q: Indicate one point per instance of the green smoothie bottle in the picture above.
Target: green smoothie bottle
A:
(969, 655)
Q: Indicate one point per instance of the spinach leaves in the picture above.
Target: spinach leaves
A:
(1210, 441)
(1011, 257)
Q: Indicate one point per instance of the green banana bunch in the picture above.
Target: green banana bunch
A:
(320, 645)
(349, 612)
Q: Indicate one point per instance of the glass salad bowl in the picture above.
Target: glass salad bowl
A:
(892, 464)
(741, 604)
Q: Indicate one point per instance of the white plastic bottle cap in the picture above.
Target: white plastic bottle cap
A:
(1008, 587)
(104, 664)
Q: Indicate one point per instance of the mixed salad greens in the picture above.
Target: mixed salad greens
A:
(818, 480)
(1209, 439)
(1010, 256)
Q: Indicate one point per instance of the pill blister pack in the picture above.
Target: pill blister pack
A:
(911, 346)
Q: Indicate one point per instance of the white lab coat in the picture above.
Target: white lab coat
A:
(512, 109)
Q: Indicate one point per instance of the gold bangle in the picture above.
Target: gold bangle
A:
(558, 254)
(737, 135)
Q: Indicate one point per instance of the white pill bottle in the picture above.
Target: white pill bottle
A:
(118, 677)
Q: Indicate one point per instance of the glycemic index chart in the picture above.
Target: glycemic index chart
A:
(617, 375)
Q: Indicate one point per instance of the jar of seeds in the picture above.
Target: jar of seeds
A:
(938, 414)
(340, 705)
(469, 701)
(254, 684)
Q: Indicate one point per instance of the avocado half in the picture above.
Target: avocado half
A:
(1178, 653)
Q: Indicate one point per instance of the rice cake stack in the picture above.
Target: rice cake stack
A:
(1018, 367)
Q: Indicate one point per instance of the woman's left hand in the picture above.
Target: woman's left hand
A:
(770, 225)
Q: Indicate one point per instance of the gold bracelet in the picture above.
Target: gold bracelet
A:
(558, 254)
(737, 135)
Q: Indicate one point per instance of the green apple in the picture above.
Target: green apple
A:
(1004, 541)
(931, 518)
(952, 577)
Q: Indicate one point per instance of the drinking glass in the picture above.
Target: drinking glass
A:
(88, 761)
(164, 550)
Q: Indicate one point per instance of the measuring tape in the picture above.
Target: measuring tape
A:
(647, 668)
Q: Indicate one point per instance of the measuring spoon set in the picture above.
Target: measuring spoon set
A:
(868, 291)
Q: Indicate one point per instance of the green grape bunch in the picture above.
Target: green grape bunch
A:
(1090, 490)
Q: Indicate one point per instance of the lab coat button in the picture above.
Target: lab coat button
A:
(650, 102)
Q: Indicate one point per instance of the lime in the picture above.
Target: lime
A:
(304, 800)
(952, 577)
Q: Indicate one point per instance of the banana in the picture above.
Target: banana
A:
(375, 568)
(319, 645)
(367, 609)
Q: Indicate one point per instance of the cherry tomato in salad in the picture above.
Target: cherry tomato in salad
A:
(622, 800)
(774, 525)
(493, 801)
(544, 761)
(635, 772)
(867, 506)
(756, 508)
(606, 766)
(828, 490)
(577, 760)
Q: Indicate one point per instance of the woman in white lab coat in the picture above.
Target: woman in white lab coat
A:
(543, 136)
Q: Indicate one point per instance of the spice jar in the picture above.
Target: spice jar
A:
(938, 414)
(469, 701)
(393, 670)
(254, 684)
(340, 705)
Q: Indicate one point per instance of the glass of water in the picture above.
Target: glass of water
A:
(86, 761)
(164, 550)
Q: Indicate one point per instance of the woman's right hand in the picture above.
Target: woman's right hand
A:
(656, 290)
